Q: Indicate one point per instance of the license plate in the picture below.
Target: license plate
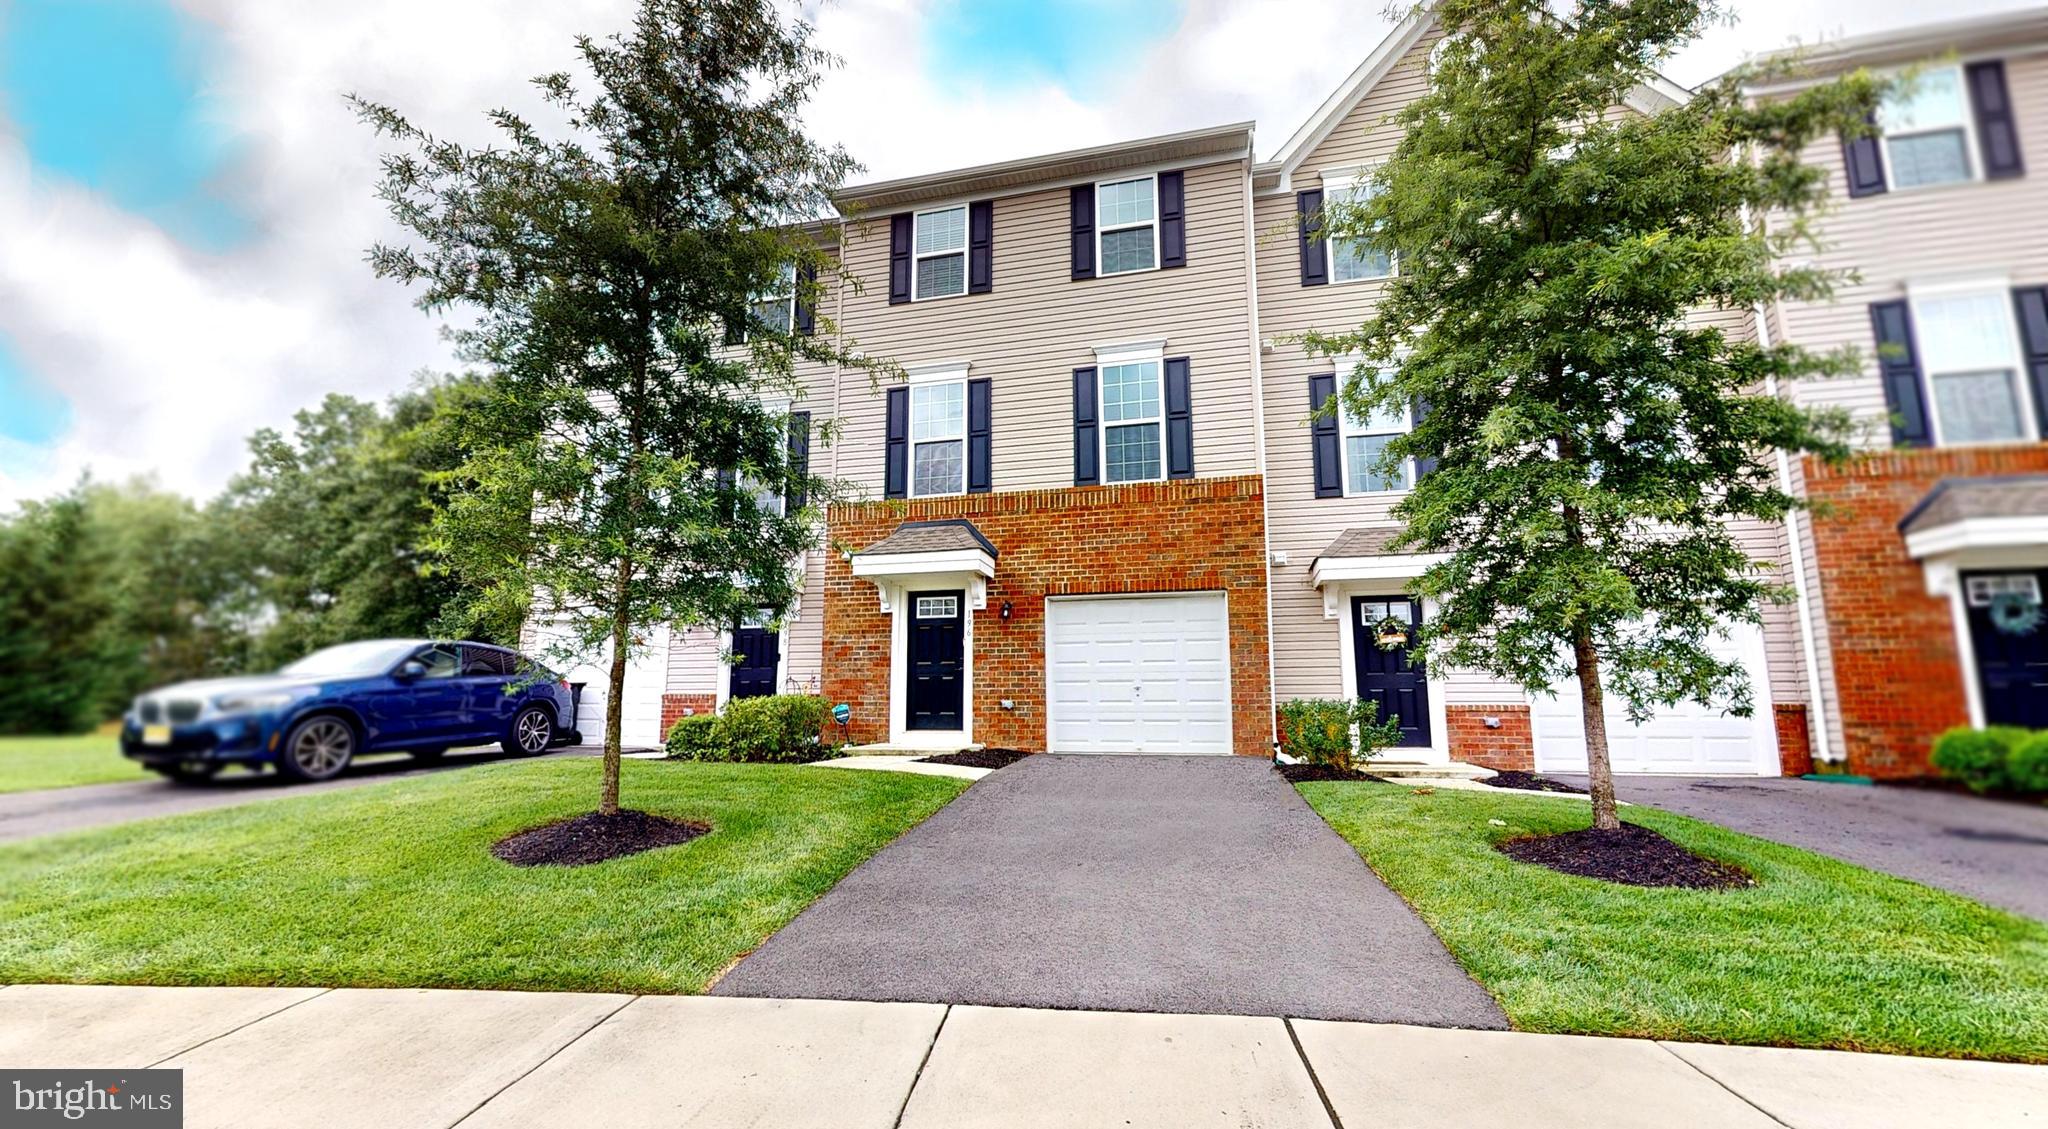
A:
(156, 734)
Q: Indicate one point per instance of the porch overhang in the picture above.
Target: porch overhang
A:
(929, 554)
(1978, 523)
(1360, 556)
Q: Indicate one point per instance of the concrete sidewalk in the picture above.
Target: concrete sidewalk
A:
(257, 1057)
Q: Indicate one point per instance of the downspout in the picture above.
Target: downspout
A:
(1251, 275)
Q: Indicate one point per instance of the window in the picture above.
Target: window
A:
(938, 438)
(1127, 225)
(1982, 590)
(485, 662)
(938, 607)
(1971, 358)
(1364, 443)
(939, 248)
(777, 311)
(1354, 260)
(441, 662)
(1133, 422)
(1926, 131)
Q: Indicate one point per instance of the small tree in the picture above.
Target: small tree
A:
(1593, 435)
(625, 468)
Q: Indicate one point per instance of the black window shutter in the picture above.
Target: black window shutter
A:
(1085, 472)
(899, 258)
(728, 501)
(1422, 466)
(1173, 222)
(981, 238)
(798, 492)
(978, 434)
(2032, 306)
(1863, 160)
(735, 327)
(896, 446)
(1998, 136)
(1081, 203)
(1329, 464)
(1315, 266)
(806, 318)
(1180, 421)
(1899, 365)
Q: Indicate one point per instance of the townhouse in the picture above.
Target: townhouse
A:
(1096, 515)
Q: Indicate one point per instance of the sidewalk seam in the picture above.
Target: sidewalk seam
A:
(1313, 1080)
(1702, 1071)
(240, 1026)
(919, 1076)
(545, 1059)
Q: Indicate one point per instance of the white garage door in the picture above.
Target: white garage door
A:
(646, 676)
(1144, 674)
(1687, 739)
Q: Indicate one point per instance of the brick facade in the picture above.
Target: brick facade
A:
(1510, 747)
(1897, 663)
(1795, 743)
(675, 707)
(1196, 535)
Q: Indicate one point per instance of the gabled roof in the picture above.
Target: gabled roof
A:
(1960, 499)
(931, 537)
(2001, 33)
(1221, 142)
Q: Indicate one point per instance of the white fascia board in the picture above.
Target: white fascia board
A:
(1392, 566)
(1323, 122)
(1975, 533)
(891, 565)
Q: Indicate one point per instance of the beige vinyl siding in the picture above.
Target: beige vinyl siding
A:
(1037, 325)
(694, 660)
(1986, 229)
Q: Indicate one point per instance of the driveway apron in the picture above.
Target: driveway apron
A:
(1171, 884)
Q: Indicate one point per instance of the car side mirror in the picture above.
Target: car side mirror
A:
(411, 670)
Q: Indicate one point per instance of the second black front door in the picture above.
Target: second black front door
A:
(2011, 645)
(757, 652)
(936, 679)
(1385, 674)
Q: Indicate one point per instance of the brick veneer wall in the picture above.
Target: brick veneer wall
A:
(1509, 748)
(1196, 535)
(1898, 672)
(1795, 743)
(675, 707)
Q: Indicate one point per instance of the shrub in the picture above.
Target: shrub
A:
(2027, 768)
(778, 727)
(1334, 732)
(1977, 757)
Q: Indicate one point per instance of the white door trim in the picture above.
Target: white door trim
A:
(1438, 751)
(895, 595)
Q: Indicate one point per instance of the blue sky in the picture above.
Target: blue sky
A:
(1076, 43)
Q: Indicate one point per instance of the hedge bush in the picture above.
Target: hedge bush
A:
(1333, 731)
(777, 728)
(1980, 758)
(2027, 767)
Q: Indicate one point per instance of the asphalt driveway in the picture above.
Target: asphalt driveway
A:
(1990, 850)
(1170, 884)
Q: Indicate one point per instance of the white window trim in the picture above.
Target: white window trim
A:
(2015, 354)
(1101, 230)
(1153, 353)
(1342, 181)
(1346, 430)
(959, 436)
(1969, 128)
(916, 256)
(788, 299)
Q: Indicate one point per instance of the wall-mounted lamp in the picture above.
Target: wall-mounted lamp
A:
(1006, 609)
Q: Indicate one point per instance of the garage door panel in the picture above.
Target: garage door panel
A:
(1138, 674)
(1687, 738)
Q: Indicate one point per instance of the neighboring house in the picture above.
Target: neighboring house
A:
(1925, 575)
(1098, 518)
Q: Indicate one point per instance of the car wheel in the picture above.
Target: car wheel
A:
(186, 773)
(317, 748)
(532, 732)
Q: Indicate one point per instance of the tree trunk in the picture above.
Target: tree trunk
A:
(614, 730)
(1591, 698)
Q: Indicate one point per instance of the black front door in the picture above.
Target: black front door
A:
(2011, 645)
(1385, 675)
(757, 651)
(938, 666)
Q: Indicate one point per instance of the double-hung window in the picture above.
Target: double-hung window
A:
(777, 310)
(1127, 225)
(1353, 259)
(1969, 350)
(1133, 416)
(1927, 134)
(938, 438)
(1365, 444)
(939, 249)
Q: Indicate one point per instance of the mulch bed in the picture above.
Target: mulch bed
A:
(979, 758)
(1633, 856)
(584, 839)
(1311, 773)
(1530, 782)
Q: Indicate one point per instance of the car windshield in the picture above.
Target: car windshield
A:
(352, 659)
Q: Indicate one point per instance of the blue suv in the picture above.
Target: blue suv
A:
(312, 718)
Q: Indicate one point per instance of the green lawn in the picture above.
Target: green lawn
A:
(1820, 954)
(28, 763)
(394, 885)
